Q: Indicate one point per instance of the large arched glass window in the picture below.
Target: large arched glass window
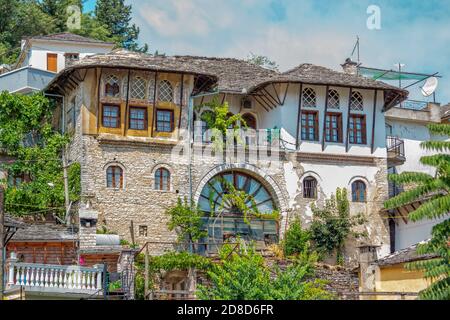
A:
(359, 193)
(162, 179)
(114, 177)
(165, 91)
(211, 198)
(310, 188)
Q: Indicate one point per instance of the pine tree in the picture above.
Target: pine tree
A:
(437, 189)
(117, 17)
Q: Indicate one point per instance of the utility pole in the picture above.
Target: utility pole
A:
(2, 241)
(66, 185)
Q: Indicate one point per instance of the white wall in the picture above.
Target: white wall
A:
(413, 134)
(37, 55)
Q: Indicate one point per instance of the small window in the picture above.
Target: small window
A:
(310, 126)
(111, 116)
(250, 120)
(310, 188)
(357, 129)
(114, 177)
(16, 180)
(333, 132)
(359, 191)
(164, 121)
(52, 62)
(138, 88)
(204, 125)
(138, 118)
(357, 101)
(71, 58)
(333, 99)
(143, 231)
(309, 98)
(162, 179)
(112, 88)
(165, 91)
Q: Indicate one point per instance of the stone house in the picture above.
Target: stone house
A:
(129, 116)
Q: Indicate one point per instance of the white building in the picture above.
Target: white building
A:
(42, 57)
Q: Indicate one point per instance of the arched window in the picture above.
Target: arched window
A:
(114, 177)
(165, 91)
(359, 191)
(211, 199)
(357, 101)
(333, 99)
(310, 188)
(250, 120)
(112, 87)
(138, 88)
(162, 179)
(309, 98)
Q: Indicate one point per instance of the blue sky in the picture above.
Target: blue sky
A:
(323, 32)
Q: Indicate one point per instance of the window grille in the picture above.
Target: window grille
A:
(112, 88)
(114, 177)
(357, 101)
(333, 99)
(162, 179)
(138, 88)
(309, 98)
(359, 191)
(165, 91)
(310, 188)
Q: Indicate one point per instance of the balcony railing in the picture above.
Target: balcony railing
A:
(395, 150)
(413, 105)
(56, 279)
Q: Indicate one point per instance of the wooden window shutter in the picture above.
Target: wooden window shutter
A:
(52, 62)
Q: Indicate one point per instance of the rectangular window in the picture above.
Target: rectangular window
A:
(310, 126)
(357, 129)
(143, 231)
(138, 118)
(71, 58)
(111, 116)
(164, 120)
(52, 62)
(333, 128)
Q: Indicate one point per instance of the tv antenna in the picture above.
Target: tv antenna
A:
(356, 48)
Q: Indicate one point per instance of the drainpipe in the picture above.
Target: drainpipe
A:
(190, 110)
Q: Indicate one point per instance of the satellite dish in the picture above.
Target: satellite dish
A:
(430, 86)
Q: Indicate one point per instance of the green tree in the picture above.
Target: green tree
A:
(187, 221)
(242, 275)
(296, 240)
(116, 15)
(332, 225)
(437, 189)
(262, 61)
(57, 9)
(28, 137)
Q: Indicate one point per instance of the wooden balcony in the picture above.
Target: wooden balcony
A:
(395, 151)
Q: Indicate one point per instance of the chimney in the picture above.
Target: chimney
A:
(88, 228)
(368, 270)
(350, 67)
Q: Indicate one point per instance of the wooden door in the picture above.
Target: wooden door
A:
(52, 62)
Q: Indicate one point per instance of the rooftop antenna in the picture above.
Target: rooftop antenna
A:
(356, 48)
(400, 66)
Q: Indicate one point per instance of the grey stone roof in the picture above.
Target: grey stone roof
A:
(66, 36)
(402, 256)
(12, 223)
(445, 112)
(313, 74)
(44, 232)
(233, 75)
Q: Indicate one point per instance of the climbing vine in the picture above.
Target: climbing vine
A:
(332, 225)
(35, 183)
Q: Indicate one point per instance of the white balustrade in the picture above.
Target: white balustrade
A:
(56, 278)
